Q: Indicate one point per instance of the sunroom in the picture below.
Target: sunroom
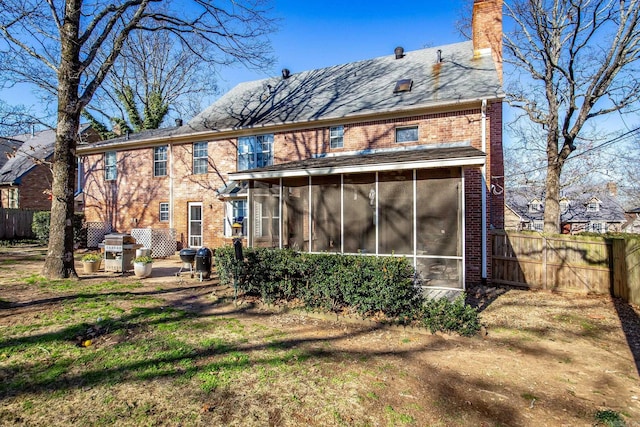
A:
(407, 203)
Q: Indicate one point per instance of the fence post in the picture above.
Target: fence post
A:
(619, 269)
(544, 262)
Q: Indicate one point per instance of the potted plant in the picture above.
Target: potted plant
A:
(142, 266)
(91, 263)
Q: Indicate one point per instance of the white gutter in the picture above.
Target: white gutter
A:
(418, 164)
(484, 192)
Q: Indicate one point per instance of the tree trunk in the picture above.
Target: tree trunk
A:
(552, 183)
(59, 262)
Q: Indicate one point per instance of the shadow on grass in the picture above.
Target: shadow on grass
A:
(631, 327)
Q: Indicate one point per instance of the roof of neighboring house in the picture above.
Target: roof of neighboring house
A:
(353, 90)
(7, 147)
(33, 148)
(578, 199)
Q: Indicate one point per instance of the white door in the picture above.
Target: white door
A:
(195, 225)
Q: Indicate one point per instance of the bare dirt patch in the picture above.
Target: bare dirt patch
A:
(547, 359)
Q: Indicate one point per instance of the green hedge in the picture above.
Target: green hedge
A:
(333, 282)
(41, 223)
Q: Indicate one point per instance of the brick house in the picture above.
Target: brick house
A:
(25, 175)
(389, 156)
(581, 210)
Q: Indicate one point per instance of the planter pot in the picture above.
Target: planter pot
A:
(142, 270)
(91, 267)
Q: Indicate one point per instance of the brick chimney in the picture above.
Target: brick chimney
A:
(486, 26)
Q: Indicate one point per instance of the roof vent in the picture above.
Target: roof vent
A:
(286, 73)
(439, 56)
(403, 85)
(178, 122)
(399, 51)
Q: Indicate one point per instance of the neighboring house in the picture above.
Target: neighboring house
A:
(25, 176)
(632, 225)
(580, 210)
(388, 156)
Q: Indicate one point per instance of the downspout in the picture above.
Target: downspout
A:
(484, 193)
(171, 207)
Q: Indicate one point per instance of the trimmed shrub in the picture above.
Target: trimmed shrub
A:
(366, 285)
(447, 316)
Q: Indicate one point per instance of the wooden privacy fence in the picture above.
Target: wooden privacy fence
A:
(16, 224)
(585, 264)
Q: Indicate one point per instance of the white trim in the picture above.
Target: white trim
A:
(378, 167)
(483, 203)
(189, 220)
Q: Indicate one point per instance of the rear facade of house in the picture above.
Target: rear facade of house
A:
(397, 155)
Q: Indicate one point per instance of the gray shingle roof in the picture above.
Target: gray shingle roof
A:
(610, 210)
(32, 148)
(7, 147)
(358, 88)
(320, 165)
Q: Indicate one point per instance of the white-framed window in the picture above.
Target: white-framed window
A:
(110, 170)
(164, 212)
(537, 225)
(236, 212)
(593, 206)
(336, 136)
(564, 205)
(535, 206)
(597, 227)
(200, 157)
(13, 196)
(255, 151)
(407, 134)
(160, 160)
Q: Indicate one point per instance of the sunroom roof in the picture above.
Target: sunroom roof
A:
(373, 162)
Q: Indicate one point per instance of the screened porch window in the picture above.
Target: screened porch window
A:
(412, 213)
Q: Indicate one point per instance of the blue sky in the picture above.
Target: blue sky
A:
(316, 34)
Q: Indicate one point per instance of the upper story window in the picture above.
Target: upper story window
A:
(160, 161)
(407, 134)
(255, 151)
(535, 206)
(564, 205)
(200, 157)
(110, 171)
(593, 205)
(164, 212)
(336, 136)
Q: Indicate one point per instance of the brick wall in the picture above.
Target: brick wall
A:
(132, 200)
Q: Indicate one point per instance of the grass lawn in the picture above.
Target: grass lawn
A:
(112, 350)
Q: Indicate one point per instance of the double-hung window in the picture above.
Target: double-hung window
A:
(200, 158)
(13, 198)
(255, 151)
(164, 212)
(110, 171)
(336, 136)
(160, 161)
(236, 213)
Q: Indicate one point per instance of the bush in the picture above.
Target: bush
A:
(42, 222)
(40, 226)
(446, 316)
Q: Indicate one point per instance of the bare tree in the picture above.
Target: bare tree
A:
(574, 62)
(68, 48)
(156, 73)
